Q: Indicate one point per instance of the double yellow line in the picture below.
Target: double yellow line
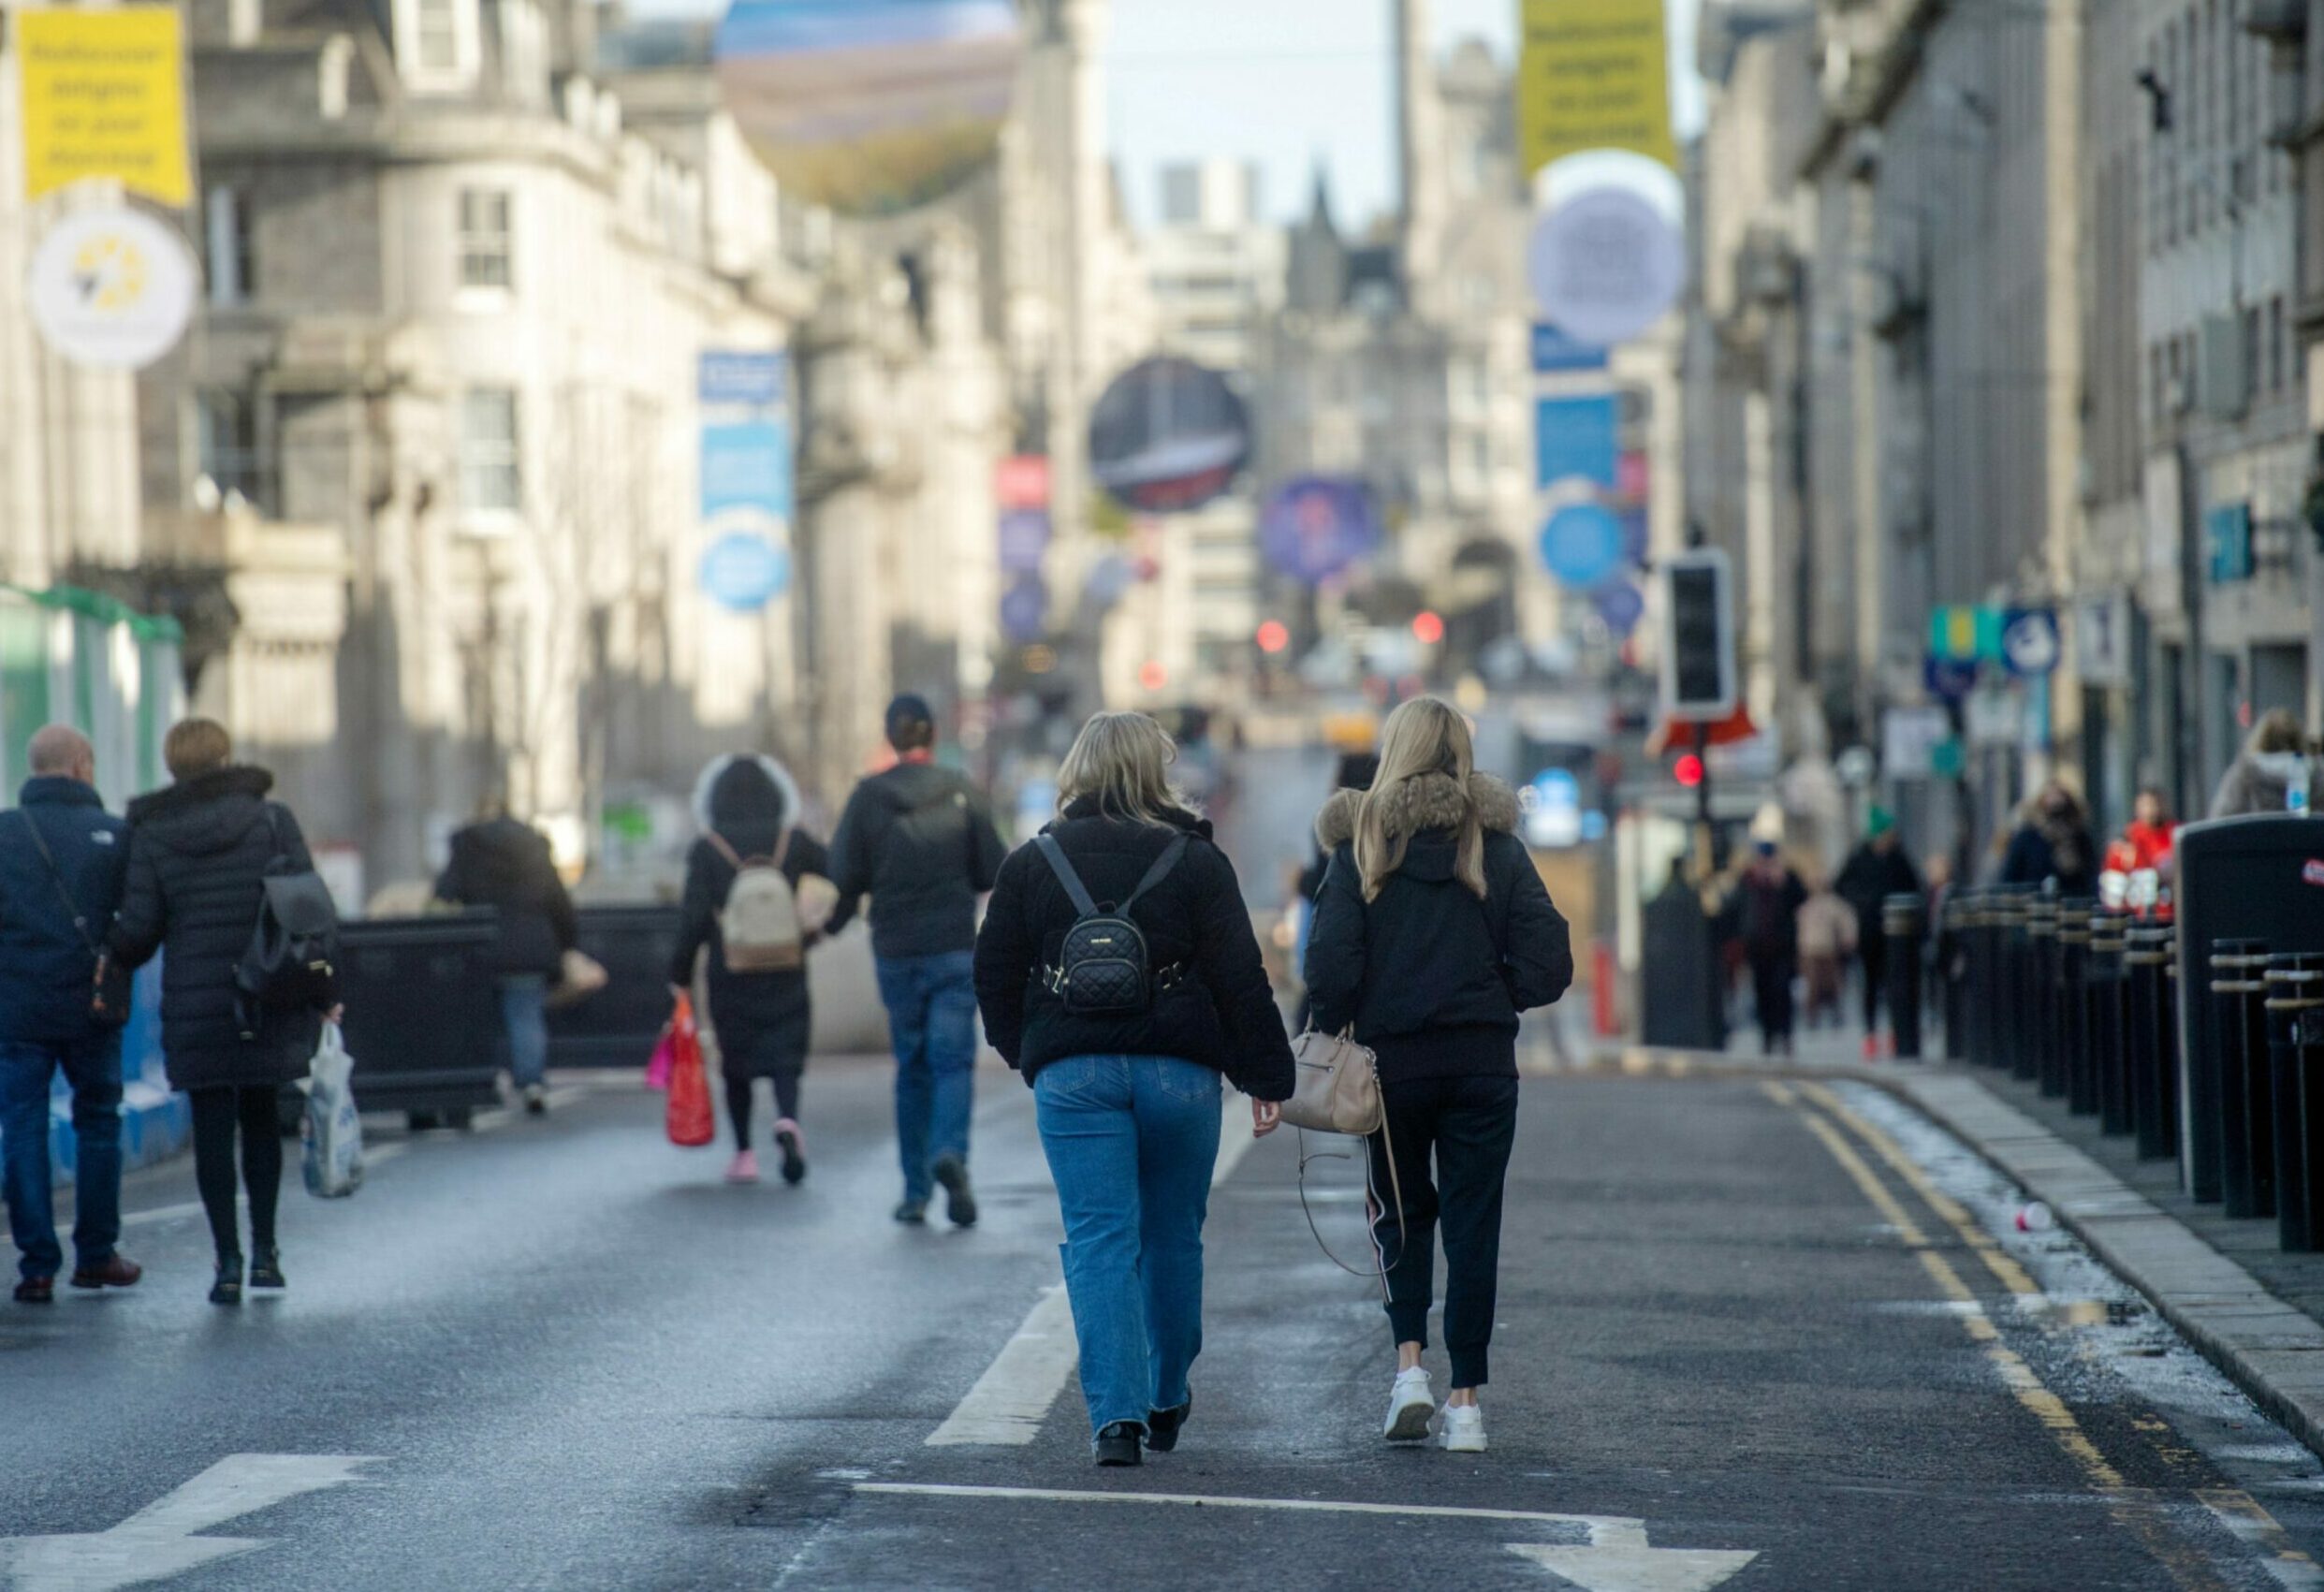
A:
(1832, 1122)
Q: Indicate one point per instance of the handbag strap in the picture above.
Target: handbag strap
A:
(1380, 1267)
(63, 892)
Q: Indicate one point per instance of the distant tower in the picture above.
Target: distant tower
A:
(1420, 148)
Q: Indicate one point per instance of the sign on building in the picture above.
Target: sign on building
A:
(2102, 639)
(1593, 74)
(113, 288)
(103, 97)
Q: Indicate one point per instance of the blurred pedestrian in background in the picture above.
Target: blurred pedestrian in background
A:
(199, 851)
(2052, 842)
(1767, 900)
(919, 840)
(1125, 1086)
(62, 859)
(1433, 934)
(1355, 773)
(1828, 937)
(749, 872)
(1876, 870)
(502, 862)
(2272, 773)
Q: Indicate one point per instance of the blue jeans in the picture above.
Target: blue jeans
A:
(931, 1019)
(526, 1018)
(1131, 1142)
(93, 1068)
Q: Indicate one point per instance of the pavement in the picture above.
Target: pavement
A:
(1755, 1332)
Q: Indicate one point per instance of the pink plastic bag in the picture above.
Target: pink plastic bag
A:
(664, 1063)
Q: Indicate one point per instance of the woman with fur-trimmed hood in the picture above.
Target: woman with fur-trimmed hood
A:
(746, 807)
(1432, 933)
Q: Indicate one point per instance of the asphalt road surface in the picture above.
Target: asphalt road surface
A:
(1752, 1336)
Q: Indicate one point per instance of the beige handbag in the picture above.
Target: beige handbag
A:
(1337, 1091)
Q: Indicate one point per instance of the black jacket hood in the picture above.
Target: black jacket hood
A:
(206, 815)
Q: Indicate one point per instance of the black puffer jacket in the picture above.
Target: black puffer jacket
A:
(506, 864)
(919, 839)
(198, 851)
(1221, 1014)
(1432, 978)
(762, 1018)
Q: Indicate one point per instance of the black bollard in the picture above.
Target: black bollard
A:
(2173, 1062)
(1977, 978)
(1951, 955)
(2143, 1042)
(1904, 919)
(2239, 994)
(2073, 1016)
(2021, 1051)
(2295, 981)
(2102, 1024)
(2042, 994)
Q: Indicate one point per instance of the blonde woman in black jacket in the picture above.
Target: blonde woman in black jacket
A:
(1432, 933)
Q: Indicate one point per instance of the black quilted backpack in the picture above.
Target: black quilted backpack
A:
(1103, 968)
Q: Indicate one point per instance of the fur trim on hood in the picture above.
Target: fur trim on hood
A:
(1417, 807)
(707, 780)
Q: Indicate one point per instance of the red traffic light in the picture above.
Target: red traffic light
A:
(1429, 627)
(1688, 770)
(1274, 637)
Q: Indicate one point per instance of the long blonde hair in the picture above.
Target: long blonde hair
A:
(1422, 737)
(1121, 761)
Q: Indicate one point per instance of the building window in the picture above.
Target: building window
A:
(484, 239)
(226, 245)
(226, 441)
(492, 478)
(435, 33)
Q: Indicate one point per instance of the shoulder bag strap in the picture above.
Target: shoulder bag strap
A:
(1381, 1266)
(1053, 854)
(1156, 874)
(782, 846)
(63, 892)
(718, 844)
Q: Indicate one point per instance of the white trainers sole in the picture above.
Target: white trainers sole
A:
(1408, 1416)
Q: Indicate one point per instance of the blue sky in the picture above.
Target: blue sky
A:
(1287, 82)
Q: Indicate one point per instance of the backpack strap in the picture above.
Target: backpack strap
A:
(1156, 874)
(1053, 854)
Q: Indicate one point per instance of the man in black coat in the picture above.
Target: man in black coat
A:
(506, 864)
(920, 842)
(62, 862)
(1875, 871)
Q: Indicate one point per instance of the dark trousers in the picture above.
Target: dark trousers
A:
(93, 1067)
(217, 1113)
(1467, 1125)
(739, 1102)
(1771, 996)
(1872, 950)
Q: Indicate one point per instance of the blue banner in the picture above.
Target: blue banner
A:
(1554, 352)
(746, 465)
(1577, 438)
(753, 380)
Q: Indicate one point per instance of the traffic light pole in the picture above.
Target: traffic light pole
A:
(1706, 841)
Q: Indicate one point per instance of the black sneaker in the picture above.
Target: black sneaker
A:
(789, 1141)
(951, 1175)
(227, 1289)
(266, 1268)
(1117, 1444)
(1162, 1427)
(913, 1213)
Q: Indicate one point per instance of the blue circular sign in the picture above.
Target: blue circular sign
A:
(745, 572)
(1583, 546)
(1621, 605)
(1025, 609)
(1317, 526)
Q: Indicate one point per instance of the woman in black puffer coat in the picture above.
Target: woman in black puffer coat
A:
(1432, 933)
(748, 807)
(197, 852)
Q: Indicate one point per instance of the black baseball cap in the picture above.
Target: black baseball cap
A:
(911, 721)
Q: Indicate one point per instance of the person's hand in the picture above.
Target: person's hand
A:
(337, 1014)
(1265, 1117)
(679, 992)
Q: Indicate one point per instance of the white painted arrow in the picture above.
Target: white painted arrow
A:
(159, 1541)
(1618, 1560)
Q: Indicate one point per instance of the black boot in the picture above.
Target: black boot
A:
(1162, 1427)
(227, 1289)
(1118, 1444)
(266, 1271)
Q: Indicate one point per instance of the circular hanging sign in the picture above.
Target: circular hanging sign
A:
(1168, 435)
(111, 288)
(1025, 609)
(1583, 546)
(1317, 526)
(745, 572)
(869, 106)
(1621, 605)
(1605, 265)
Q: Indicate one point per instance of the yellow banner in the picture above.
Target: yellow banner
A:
(104, 96)
(1594, 73)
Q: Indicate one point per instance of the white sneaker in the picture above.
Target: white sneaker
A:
(1462, 1429)
(1409, 1408)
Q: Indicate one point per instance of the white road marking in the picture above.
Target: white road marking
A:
(1613, 1556)
(1006, 1407)
(159, 1541)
